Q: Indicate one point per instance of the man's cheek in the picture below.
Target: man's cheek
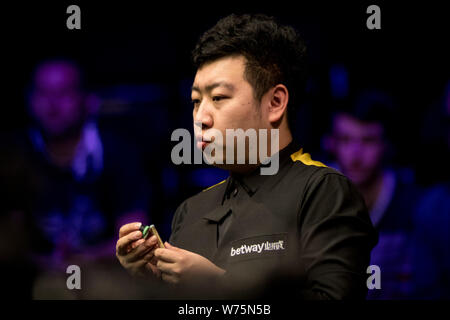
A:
(344, 157)
(373, 157)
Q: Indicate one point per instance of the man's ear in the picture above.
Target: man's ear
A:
(278, 100)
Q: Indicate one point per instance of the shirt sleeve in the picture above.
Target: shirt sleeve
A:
(336, 238)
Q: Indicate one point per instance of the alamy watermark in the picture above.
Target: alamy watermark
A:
(74, 20)
(373, 22)
(74, 280)
(239, 146)
(374, 280)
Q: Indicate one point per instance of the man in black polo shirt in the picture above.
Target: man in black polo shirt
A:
(306, 222)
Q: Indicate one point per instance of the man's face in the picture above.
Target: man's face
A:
(56, 100)
(358, 147)
(223, 99)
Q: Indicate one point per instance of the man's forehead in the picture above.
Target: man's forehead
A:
(225, 71)
(57, 74)
(212, 85)
(347, 123)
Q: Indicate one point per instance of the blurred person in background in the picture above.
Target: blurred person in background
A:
(81, 183)
(359, 141)
(431, 238)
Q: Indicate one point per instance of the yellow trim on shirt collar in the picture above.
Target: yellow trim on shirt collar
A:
(306, 159)
(214, 185)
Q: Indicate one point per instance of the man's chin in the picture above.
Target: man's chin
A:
(221, 161)
(359, 179)
(215, 162)
(237, 168)
(57, 131)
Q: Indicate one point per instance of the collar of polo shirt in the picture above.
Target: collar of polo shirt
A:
(251, 181)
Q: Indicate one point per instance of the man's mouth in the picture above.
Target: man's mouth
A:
(201, 143)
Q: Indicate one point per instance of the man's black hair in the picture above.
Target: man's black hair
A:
(275, 53)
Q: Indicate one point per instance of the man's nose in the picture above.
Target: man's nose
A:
(356, 149)
(203, 117)
(53, 105)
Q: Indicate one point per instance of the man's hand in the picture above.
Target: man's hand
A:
(135, 254)
(181, 266)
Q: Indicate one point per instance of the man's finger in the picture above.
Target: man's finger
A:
(150, 257)
(139, 253)
(125, 241)
(128, 228)
(166, 255)
(171, 247)
(165, 267)
(170, 278)
(136, 268)
(136, 243)
(151, 241)
(150, 267)
(153, 260)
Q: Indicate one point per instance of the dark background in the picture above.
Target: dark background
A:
(137, 58)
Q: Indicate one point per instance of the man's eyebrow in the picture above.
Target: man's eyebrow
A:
(214, 85)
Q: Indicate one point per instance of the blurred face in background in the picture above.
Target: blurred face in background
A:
(57, 100)
(358, 147)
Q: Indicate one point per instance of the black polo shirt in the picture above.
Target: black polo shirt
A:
(307, 222)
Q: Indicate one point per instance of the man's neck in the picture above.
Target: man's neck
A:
(285, 140)
(62, 150)
(247, 168)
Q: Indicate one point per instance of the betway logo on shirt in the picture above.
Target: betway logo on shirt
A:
(257, 248)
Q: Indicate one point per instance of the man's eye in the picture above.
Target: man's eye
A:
(195, 102)
(370, 140)
(218, 98)
(343, 139)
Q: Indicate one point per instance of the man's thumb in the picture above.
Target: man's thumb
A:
(171, 247)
